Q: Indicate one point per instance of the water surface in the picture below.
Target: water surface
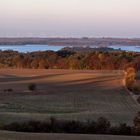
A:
(32, 48)
(127, 48)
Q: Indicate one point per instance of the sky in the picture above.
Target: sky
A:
(70, 18)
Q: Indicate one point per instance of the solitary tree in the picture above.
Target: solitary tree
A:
(130, 76)
(32, 87)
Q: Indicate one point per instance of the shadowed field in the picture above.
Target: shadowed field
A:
(65, 94)
(5, 135)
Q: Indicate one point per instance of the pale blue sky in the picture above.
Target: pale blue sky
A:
(74, 18)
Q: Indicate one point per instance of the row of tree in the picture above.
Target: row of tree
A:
(101, 126)
(70, 60)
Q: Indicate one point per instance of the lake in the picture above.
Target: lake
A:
(127, 48)
(32, 48)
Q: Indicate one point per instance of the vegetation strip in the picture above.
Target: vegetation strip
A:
(101, 126)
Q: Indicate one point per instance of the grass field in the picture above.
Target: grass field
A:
(65, 94)
(5, 135)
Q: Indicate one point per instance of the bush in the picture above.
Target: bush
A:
(32, 87)
(130, 76)
(8, 90)
(103, 126)
(136, 88)
(122, 129)
(136, 128)
(138, 99)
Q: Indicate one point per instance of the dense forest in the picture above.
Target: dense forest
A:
(66, 59)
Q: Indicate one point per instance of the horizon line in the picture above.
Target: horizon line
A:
(69, 37)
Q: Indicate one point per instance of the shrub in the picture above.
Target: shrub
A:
(8, 90)
(138, 99)
(130, 76)
(32, 87)
(136, 128)
(136, 88)
(91, 127)
(122, 129)
(103, 126)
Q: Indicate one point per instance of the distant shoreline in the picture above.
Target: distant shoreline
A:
(70, 41)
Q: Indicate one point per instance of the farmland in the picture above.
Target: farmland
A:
(65, 94)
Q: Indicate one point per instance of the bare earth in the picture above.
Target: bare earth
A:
(5, 135)
(65, 94)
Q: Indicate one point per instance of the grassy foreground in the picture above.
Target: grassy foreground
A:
(5, 135)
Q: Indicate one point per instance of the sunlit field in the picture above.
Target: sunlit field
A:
(65, 94)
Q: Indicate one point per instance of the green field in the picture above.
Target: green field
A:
(65, 94)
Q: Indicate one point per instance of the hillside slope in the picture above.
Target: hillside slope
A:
(65, 94)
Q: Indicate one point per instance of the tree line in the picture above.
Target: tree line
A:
(101, 126)
(64, 59)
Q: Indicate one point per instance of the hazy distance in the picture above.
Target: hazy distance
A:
(70, 18)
